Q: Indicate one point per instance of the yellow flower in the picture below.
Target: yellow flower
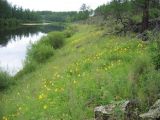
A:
(58, 76)
(45, 86)
(5, 118)
(19, 108)
(140, 45)
(45, 107)
(74, 81)
(41, 96)
(62, 89)
(18, 93)
(56, 90)
(48, 89)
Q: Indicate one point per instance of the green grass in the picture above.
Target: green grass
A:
(5, 80)
(89, 70)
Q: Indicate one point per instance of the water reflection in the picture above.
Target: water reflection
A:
(13, 45)
(13, 54)
(7, 35)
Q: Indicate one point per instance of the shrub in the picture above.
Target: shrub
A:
(139, 67)
(155, 50)
(156, 54)
(56, 39)
(154, 13)
(5, 80)
(39, 53)
(149, 87)
(70, 31)
(156, 60)
(145, 81)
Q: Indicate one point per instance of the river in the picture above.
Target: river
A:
(14, 44)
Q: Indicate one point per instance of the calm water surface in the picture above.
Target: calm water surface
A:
(14, 43)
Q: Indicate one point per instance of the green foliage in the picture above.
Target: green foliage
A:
(114, 8)
(12, 22)
(69, 31)
(154, 13)
(12, 15)
(148, 88)
(131, 13)
(39, 52)
(5, 80)
(154, 37)
(140, 67)
(155, 48)
(144, 82)
(29, 66)
(49, 16)
(56, 39)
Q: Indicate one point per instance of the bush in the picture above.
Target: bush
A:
(70, 31)
(154, 13)
(56, 39)
(139, 68)
(156, 54)
(155, 50)
(39, 53)
(145, 82)
(5, 80)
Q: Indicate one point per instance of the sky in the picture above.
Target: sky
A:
(56, 5)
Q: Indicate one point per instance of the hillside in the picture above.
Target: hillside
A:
(91, 69)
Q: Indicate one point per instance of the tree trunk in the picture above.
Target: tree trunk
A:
(145, 19)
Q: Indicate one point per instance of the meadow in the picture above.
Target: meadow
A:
(86, 69)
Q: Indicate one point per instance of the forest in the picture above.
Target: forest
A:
(12, 15)
(136, 15)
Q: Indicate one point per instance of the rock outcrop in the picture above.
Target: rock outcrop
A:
(124, 110)
(153, 113)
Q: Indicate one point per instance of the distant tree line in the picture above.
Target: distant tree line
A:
(12, 15)
(72, 16)
(140, 13)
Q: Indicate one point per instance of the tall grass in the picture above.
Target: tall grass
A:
(5, 80)
(39, 53)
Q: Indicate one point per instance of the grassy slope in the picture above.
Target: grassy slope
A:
(88, 71)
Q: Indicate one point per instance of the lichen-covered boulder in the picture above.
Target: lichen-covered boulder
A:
(153, 113)
(123, 110)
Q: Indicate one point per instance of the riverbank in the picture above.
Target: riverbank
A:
(91, 69)
(33, 24)
(45, 23)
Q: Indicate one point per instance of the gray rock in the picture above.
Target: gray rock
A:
(153, 113)
(123, 110)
